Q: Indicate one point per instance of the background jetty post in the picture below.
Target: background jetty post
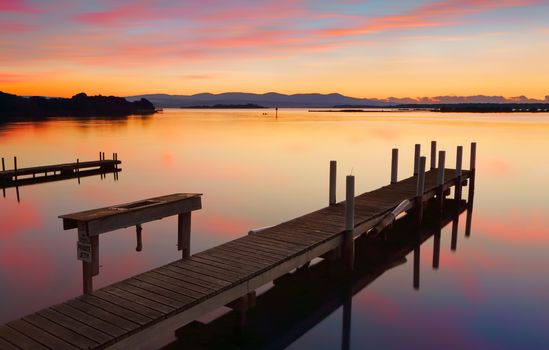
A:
(440, 179)
(472, 169)
(420, 190)
(459, 159)
(15, 168)
(333, 182)
(394, 165)
(348, 237)
(433, 155)
(3, 165)
(417, 152)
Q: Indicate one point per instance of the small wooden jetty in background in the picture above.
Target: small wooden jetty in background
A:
(19, 177)
(141, 309)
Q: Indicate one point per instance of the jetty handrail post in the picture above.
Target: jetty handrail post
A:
(440, 179)
(417, 153)
(348, 237)
(420, 189)
(333, 182)
(433, 155)
(459, 159)
(394, 166)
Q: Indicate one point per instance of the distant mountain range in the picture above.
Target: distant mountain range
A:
(273, 99)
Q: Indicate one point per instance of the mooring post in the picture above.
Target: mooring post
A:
(440, 179)
(433, 155)
(394, 166)
(417, 152)
(420, 189)
(184, 234)
(333, 182)
(459, 158)
(348, 237)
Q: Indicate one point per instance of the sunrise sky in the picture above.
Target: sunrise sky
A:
(359, 48)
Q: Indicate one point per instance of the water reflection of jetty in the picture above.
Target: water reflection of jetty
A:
(19, 177)
(142, 310)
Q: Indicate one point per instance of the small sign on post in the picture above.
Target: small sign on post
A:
(84, 251)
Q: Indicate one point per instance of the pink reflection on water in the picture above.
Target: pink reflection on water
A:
(385, 308)
(497, 167)
(18, 218)
(226, 226)
(515, 226)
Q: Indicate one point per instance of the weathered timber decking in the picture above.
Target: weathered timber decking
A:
(47, 173)
(138, 309)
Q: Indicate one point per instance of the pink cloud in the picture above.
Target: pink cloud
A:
(16, 6)
(442, 13)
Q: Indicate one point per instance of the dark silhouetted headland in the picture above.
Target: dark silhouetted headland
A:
(80, 105)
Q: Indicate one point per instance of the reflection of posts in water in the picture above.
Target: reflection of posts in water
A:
(3, 169)
(471, 196)
(416, 266)
(17, 192)
(346, 328)
(455, 225)
(469, 219)
(436, 246)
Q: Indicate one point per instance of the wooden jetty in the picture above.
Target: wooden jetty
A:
(313, 294)
(140, 310)
(34, 175)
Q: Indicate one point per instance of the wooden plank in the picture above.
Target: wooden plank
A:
(223, 254)
(224, 263)
(248, 246)
(162, 283)
(171, 273)
(251, 256)
(199, 278)
(12, 335)
(7, 346)
(293, 247)
(65, 334)
(147, 294)
(115, 309)
(151, 304)
(129, 304)
(190, 283)
(90, 320)
(219, 256)
(184, 300)
(225, 275)
(103, 315)
(75, 326)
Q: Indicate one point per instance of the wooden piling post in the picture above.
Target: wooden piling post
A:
(348, 238)
(440, 179)
(333, 182)
(15, 168)
(433, 155)
(394, 166)
(417, 152)
(459, 158)
(184, 234)
(3, 165)
(139, 237)
(420, 189)
(472, 171)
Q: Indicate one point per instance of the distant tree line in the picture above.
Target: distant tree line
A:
(80, 105)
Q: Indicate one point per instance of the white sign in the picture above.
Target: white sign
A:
(84, 251)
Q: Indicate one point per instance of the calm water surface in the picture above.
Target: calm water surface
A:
(254, 171)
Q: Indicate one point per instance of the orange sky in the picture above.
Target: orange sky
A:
(358, 48)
